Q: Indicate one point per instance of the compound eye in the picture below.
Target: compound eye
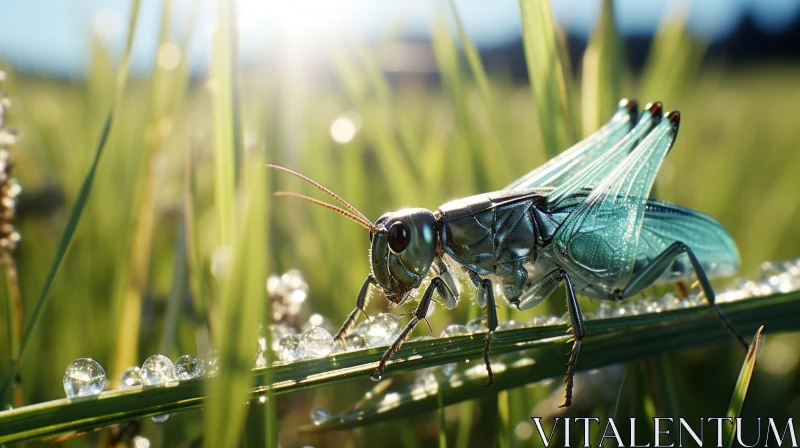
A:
(399, 237)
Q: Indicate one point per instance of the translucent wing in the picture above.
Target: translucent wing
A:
(665, 223)
(590, 176)
(598, 239)
(568, 163)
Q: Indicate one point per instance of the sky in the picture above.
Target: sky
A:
(53, 36)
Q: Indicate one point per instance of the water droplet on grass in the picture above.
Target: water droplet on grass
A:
(84, 377)
(477, 325)
(455, 330)
(290, 349)
(188, 367)
(319, 415)
(132, 376)
(316, 342)
(382, 330)
(140, 442)
(510, 325)
(277, 332)
(375, 376)
(157, 369)
(355, 341)
(160, 419)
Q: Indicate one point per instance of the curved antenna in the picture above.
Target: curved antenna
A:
(338, 198)
(366, 224)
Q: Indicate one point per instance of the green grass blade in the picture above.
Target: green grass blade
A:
(603, 67)
(548, 77)
(242, 294)
(742, 384)
(225, 132)
(80, 201)
(241, 311)
(442, 423)
(609, 341)
(495, 158)
(528, 366)
(673, 60)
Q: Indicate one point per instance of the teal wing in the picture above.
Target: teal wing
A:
(562, 167)
(598, 240)
(590, 176)
(665, 223)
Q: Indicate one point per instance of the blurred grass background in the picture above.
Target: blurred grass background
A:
(152, 232)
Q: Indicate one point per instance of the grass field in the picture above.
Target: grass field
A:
(180, 193)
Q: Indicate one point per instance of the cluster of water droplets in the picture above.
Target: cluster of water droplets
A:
(85, 377)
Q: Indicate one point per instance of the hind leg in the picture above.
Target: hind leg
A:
(661, 263)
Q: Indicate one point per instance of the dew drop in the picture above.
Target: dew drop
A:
(355, 341)
(316, 342)
(132, 376)
(455, 330)
(375, 376)
(211, 365)
(537, 321)
(290, 349)
(84, 377)
(510, 325)
(319, 415)
(188, 367)
(424, 337)
(477, 325)
(278, 331)
(160, 419)
(157, 369)
(382, 330)
(140, 442)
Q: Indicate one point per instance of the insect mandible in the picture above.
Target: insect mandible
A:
(583, 219)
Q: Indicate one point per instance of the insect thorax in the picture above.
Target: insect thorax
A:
(493, 233)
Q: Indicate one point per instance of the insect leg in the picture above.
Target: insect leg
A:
(486, 294)
(419, 314)
(578, 332)
(361, 303)
(540, 290)
(450, 300)
(659, 264)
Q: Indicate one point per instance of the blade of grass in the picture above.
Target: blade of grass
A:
(742, 384)
(496, 158)
(176, 295)
(80, 201)
(225, 132)
(165, 94)
(673, 60)
(469, 165)
(241, 310)
(377, 128)
(524, 368)
(603, 66)
(665, 385)
(608, 342)
(442, 422)
(547, 76)
(242, 293)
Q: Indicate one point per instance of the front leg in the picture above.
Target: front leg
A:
(361, 303)
(419, 314)
(542, 289)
